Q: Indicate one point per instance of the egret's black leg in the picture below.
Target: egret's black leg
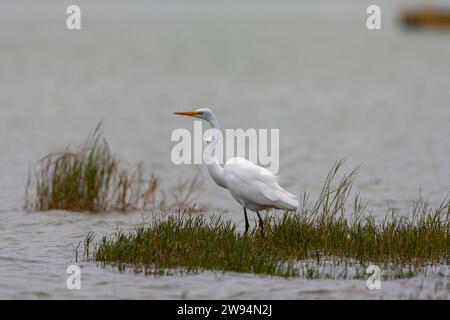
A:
(260, 221)
(261, 225)
(246, 221)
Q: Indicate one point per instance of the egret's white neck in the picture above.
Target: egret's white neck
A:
(209, 155)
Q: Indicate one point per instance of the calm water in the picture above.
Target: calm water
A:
(332, 87)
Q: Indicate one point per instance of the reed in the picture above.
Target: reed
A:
(90, 178)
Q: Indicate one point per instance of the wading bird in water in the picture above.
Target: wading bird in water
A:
(254, 187)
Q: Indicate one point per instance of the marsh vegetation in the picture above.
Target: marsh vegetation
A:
(91, 178)
(334, 230)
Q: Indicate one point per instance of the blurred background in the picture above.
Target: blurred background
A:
(312, 69)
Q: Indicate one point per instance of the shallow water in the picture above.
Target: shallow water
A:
(333, 88)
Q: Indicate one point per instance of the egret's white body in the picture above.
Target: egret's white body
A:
(254, 187)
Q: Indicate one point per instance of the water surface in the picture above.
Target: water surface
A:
(312, 70)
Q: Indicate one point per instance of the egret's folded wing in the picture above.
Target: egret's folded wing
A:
(250, 182)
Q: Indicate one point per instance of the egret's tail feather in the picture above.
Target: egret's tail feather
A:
(289, 202)
(282, 199)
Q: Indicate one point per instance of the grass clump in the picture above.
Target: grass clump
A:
(333, 230)
(88, 178)
(91, 178)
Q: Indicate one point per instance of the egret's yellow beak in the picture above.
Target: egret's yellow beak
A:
(189, 113)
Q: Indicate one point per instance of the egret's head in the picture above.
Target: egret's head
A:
(202, 113)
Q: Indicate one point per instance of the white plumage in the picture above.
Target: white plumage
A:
(254, 187)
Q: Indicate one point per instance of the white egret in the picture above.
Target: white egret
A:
(254, 187)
